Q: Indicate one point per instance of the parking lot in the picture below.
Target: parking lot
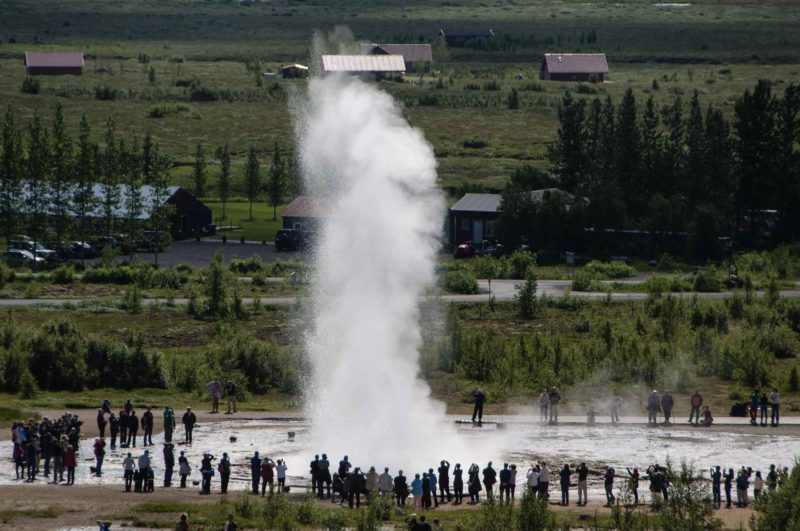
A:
(199, 254)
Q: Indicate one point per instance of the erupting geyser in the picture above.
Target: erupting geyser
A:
(375, 256)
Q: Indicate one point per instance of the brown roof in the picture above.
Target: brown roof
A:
(363, 63)
(412, 53)
(54, 59)
(576, 63)
(306, 206)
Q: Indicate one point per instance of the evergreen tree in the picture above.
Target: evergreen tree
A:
(83, 199)
(651, 151)
(673, 159)
(787, 181)
(199, 172)
(109, 179)
(224, 176)
(155, 171)
(567, 155)
(62, 164)
(275, 185)
(755, 128)
(628, 155)
(695, 183)
(252, 178)
(132, 176)
(720, 182)
(37, 172)
(526, 296)
(11, 182)
(593, 145)
(295, 180)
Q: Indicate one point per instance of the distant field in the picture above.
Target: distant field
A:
(717, 48)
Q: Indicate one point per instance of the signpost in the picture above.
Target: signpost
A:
(570, 256)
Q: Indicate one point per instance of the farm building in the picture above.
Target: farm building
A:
(472, 218)
(294, 71)
(53, 63)
(574, 67)
(188, 218)
(379, 66)
(459, 39)
(416, 56)
(304, 213)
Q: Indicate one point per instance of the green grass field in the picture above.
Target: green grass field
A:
(719, 49)
(262, 227)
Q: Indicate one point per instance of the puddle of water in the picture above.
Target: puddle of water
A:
(598, 446)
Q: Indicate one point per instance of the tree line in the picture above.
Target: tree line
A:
(282, 180)
(49, 182)
(676, 177)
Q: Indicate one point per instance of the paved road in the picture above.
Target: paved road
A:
(502, 290)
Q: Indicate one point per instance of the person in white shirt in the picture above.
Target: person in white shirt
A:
(128, 465)
(533, 481)
(385, 483)
(774, 400)
(280, 470)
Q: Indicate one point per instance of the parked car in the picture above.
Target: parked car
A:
(23, 258)
(294, 240)
(78, 250)
(36, 248)
(465, 250)
(102, 242)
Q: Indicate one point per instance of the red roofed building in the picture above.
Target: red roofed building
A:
(305, 213)
(53, 63)
(574, 67)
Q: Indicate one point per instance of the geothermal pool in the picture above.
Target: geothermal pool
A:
(520, 441)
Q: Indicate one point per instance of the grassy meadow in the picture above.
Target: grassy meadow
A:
(719, 49)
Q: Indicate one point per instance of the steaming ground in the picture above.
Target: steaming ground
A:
(376, 254)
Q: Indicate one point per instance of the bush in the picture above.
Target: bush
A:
(105, 93)
(63, 275)
(613, 269)
(462, 282)
(254, 264)
(474, 143)
(526, 296)
(132, 300)
(707, 280)
(583, 281)
(30, 85)
(779, 340)
(513, 99)
(199, 93)
(110, 275)
(27, 385)
(492, 85)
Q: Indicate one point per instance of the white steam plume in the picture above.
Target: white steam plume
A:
(375, 255)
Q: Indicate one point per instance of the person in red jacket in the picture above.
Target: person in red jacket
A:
(696, 401)
(70, 462)
(267, 475)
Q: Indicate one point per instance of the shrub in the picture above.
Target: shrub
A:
(254, 264)
(462, 282)
(613, 269)
(110, 275)
(707, 280)
(132, 300)
(583, 88)
(27, 385)
(428, 100)
(105, 93)
(30, 85)
(492, 85)
(519, 262)
(199, 93)
(583, 281)
(474, 143)
(513, 99)
(63, 275)
(526, 296)
(779, 340)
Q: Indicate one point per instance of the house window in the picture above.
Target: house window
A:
(464, 224)
(489, 228)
